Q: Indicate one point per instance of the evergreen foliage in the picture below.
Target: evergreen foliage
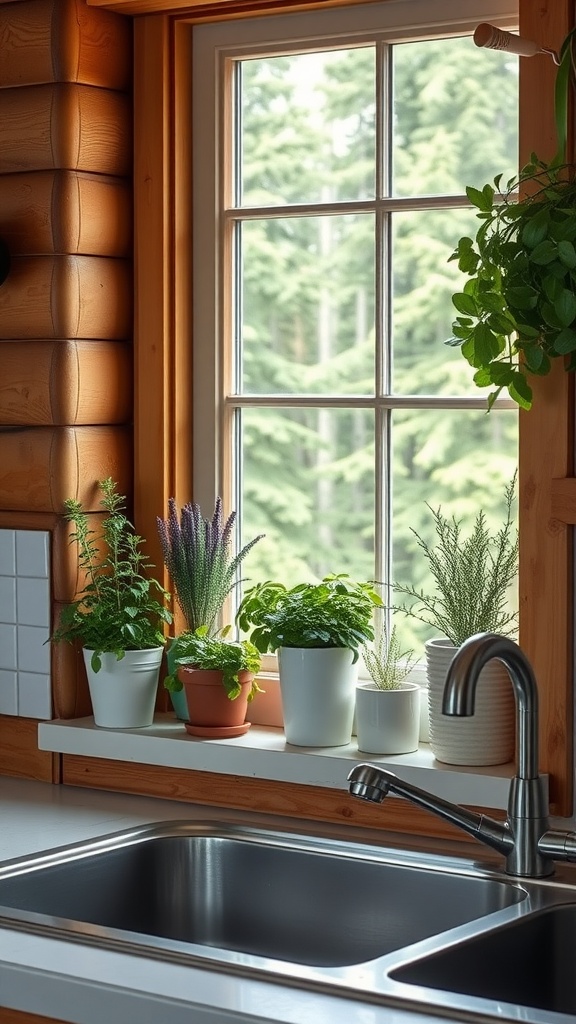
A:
(472, 576)
(121, 608)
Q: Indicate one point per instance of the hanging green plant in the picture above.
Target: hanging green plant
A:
(517, 311)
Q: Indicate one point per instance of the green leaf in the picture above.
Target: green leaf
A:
(522, 297)
(483, 200)
(565, 307)
(536, 230)
(465, 303)
(486, 345)
(544, 253)
(521, 392)
(533, 357)
(567, 254)
(565, 342)
(501, 373)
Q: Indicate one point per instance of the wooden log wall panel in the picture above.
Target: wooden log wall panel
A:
(547, 453)
(64, 125)
(42, 466)
(44, 212)
(310, 803)
(44, 383)
(70, 691)
(66, 297)
(18, 1016)
(19, 753)
(64, 41)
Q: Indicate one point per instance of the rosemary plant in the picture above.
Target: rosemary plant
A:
(197, 556)
(472, 577)
(121, 608)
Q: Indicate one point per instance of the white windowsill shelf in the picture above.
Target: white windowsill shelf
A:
(262, 753)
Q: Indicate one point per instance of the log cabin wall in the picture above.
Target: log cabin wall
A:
(65, 320)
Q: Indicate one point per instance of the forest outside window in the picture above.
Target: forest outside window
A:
(331, 155)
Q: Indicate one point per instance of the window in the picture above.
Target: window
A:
(332, 151)
(164, 147)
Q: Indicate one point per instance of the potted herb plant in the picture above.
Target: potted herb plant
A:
(472, 577)
(218, 676)
(517, 311)
(317, 630)
(202, 571)
(388, 707)
(119, 616)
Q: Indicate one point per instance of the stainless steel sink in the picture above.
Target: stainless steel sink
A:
(527, 963)
(199, 891)
(412, 931)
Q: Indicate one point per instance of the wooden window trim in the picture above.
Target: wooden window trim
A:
(163, 414)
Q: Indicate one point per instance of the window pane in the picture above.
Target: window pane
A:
(308, 484)
(459, 460)
(455, 121)
(423, 285)
(307, 309)
(307, 127)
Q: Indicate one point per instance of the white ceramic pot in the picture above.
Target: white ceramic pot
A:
(318, 693)
(124, 692)
(488, 736)
(388, 721)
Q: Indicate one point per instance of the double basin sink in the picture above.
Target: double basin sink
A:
(408, 930)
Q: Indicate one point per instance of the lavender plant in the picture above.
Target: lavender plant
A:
(197, 556)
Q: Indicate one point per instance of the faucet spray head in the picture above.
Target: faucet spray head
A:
(368, 783)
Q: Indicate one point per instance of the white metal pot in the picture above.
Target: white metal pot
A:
(488, 736)
(388, 721)
(124, 692)
(318, 693)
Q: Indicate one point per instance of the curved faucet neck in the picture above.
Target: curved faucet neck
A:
(460, 690)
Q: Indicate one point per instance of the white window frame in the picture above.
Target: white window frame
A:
(214, 45)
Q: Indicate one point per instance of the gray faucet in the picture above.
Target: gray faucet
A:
(525, 840)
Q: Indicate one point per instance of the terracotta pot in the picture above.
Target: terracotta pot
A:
(210, 710)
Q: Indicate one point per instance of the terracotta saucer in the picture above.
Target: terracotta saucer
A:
(217, 732)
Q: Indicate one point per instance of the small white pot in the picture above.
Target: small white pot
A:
(388, 721)
(486, 737)
(318, 689)
(124, 692)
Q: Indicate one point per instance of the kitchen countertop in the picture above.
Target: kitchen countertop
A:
(87, 985)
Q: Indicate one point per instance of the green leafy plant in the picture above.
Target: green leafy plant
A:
(203, 650)
(386, 662)
(472, 577)
(337, 612)
(121, 608)
(517, 311)
(197, 556)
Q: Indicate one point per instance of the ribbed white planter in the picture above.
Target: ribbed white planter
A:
(488, 736)
(318, 693)
(388, 721)
(123, 693)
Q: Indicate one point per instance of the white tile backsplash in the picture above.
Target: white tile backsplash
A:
(33, 651)
(34, 695)
(32, 548)
(25, 685)
(7, 552)
(33, 602)
(8, 693)
(8, 599)
(8, 655)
